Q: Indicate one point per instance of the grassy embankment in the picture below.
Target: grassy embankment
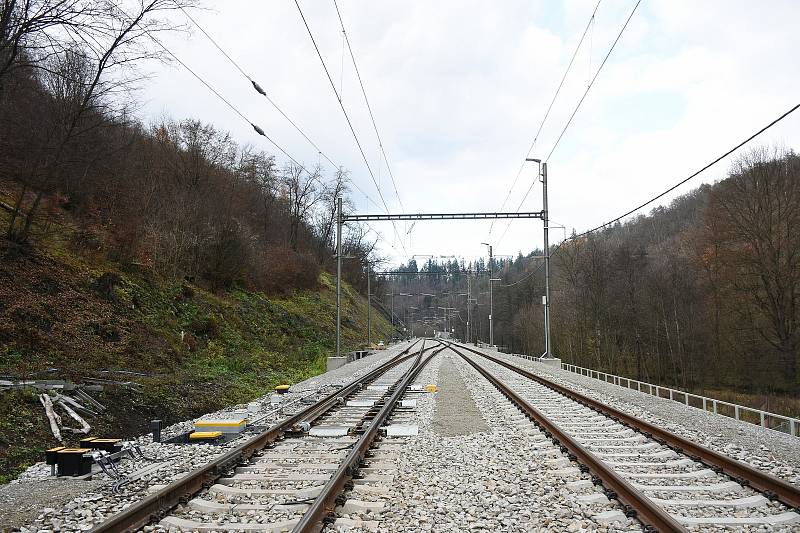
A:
(66, 315)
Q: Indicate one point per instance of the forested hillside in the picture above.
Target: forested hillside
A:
(165, 251)
(703, 293)
(180, 197)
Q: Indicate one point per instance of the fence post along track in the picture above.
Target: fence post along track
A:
(745, 474)
(156, 505)
(639, 505)
(324, 504)
(700, 402)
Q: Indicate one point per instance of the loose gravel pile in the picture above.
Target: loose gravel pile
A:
(33, 502)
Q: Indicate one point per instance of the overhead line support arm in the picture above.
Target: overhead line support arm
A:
(442, 216)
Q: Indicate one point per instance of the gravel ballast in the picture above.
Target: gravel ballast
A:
(702, 503)
(770, 451)
(473, 461)
(60, 512)
(498, 474)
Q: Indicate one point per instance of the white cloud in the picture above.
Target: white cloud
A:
(458, 90)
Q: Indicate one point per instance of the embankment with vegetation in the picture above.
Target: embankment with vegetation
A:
(65, 315)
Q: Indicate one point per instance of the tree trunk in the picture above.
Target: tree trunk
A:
(15, 213)
(23, 236)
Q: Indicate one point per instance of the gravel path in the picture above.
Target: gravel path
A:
(23, 502)
(770, 451)
(456, 412)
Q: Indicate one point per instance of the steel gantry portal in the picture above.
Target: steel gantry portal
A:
(341, 218)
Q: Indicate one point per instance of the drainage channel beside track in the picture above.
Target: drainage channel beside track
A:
(665, 481)
(278, 474)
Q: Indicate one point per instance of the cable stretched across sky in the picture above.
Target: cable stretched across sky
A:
(262, 92)
(199, 78)
(665, 192)
(575, 111)
(236, 110)
(349, 123)
(547, 113)
(369, 107)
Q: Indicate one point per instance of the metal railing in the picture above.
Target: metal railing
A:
(765, 419)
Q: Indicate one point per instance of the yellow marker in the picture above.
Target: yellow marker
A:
(226, 423)
(430, 387)
(282, 389)
(202, 435)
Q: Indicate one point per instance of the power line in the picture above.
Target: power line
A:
(225, 100)
(262, 92)
(236, 110)
(369, 108)
(575, 111)
(347, 117)
(709, 165)
(549, 108)
(665, 192)
(608, 54)
(255, 84)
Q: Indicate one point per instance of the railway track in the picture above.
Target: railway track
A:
(667, 482)
(290, 476)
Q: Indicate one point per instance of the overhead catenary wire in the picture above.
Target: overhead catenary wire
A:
(369, 107)
(591, 83)
(199, 78)
(347, 118)
(549, 109)
(243, 116)
(661, 194)
(263, 92)
(575, 111)
(706, 167)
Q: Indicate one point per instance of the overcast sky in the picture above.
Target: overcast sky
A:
(459, 89)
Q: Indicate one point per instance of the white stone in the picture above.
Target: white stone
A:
(402, 430)
(360, 506)
(608, 517)
(329, 431)
(596, 497)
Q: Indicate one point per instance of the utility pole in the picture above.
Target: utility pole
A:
(369, 305)
(491, 300)
(338, 276)
(545, 218)
(469, 307)
(392, 304)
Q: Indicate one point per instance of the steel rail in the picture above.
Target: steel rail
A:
(325, 503)
(645, 510)
(744, 474)
(153, 507)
